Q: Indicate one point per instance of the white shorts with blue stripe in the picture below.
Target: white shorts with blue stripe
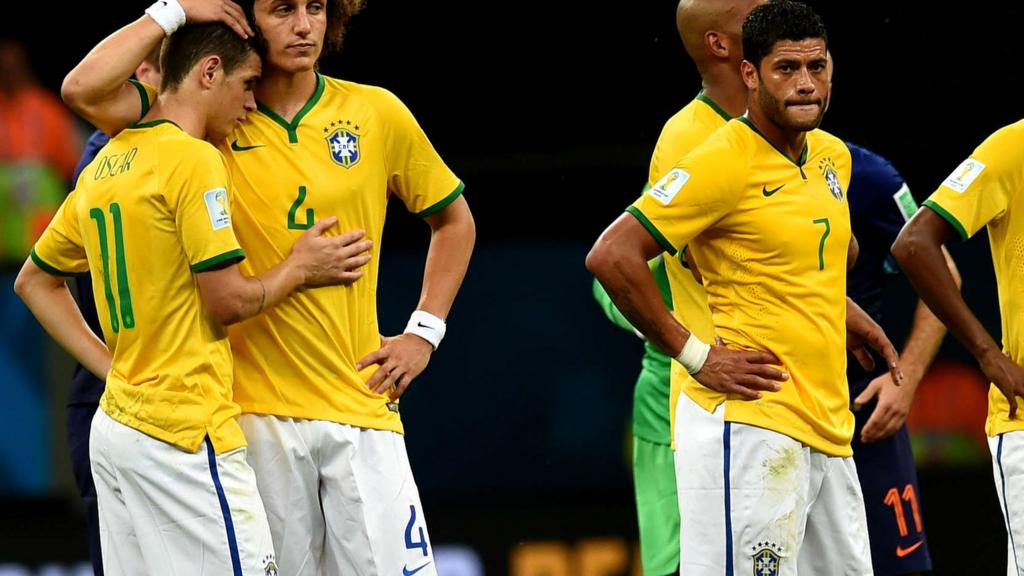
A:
(754, 501)
(1008, 469)
(167, 512)
(341, 500)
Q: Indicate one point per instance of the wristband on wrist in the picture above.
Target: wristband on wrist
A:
(168, 14)
(426, 326)
(694, 354)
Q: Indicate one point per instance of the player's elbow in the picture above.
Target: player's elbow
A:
(227, 311)
(21, 284)
(73, 93)
(907, 246)
(601, 258)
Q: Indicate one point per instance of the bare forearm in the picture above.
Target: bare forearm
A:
(280, 281)
(97, 88)
(631, 286)
(925, 264)
(923, 342)
(451, 246)
(55, 309)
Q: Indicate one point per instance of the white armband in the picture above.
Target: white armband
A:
(426, 326)
(168, 14)
(694, 354)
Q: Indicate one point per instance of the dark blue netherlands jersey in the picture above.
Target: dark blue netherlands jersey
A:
(880, 204)
(86, 388)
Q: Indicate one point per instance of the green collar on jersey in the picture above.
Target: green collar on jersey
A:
(705, 99)
(293, 126)
(803, 155)
(156, 122)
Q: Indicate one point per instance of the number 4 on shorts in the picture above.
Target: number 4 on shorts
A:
(409, 542)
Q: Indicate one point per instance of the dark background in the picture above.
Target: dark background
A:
(549, 111)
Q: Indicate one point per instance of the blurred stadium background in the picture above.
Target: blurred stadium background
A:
(548, 111)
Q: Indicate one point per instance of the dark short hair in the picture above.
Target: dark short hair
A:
(339, 12)
(779, 20)
(193, 42)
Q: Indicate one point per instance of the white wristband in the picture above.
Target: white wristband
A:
(694, 354)
(168, 14)
(426, 326)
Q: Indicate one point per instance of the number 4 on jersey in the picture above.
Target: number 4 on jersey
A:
(310, 217)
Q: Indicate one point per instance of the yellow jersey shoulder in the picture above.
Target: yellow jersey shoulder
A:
(684, 131)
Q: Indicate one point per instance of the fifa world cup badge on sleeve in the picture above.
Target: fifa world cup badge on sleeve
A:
(217, 207)
(667, 188)
(964, 174)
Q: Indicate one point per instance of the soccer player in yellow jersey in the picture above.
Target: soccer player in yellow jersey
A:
(985, 191)
(711, 33)
(317, 384)
(766, 482)
(150, 220)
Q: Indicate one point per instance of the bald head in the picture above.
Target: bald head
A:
(712, 29)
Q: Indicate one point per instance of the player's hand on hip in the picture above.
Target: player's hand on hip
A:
(1007, 376)
(741, 372)
(224, 11)
(862, 331)
(891, 411)
(400, 359)
(327, 260)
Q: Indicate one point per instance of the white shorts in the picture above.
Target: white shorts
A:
(341, 500)
(166, 512)
(1008, 469)
(753, 501)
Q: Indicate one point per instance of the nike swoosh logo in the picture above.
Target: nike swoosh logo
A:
(422, 325)
(237, 148)
(901, 551)
(407, 572)
(764, 189)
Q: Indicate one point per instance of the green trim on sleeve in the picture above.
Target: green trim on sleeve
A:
(143, 96)
(665, 244)
(209, 263)
(443, 203)
(948, 217)
(47, 268)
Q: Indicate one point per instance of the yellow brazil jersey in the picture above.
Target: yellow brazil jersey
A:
(147, 214)
(344, 154)
(770, 237)
(682, 133)
(986, 190)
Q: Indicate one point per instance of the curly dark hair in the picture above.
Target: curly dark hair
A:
(339, 12)
(779, 20)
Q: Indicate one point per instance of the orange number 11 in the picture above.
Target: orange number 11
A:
(892, 498)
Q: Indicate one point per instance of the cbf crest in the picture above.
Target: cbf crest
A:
(269, 566)
(767, 559)
(828, 170)
(343, 143)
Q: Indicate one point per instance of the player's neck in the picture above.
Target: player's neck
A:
(286, 92)
(726, 89)
(790, 142)
(182, 111)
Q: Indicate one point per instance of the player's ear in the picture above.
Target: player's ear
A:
(749, 73)
(209, 68)
(717, 44)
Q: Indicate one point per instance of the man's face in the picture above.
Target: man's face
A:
(294, 31)
(793, 84)
(234, 99)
